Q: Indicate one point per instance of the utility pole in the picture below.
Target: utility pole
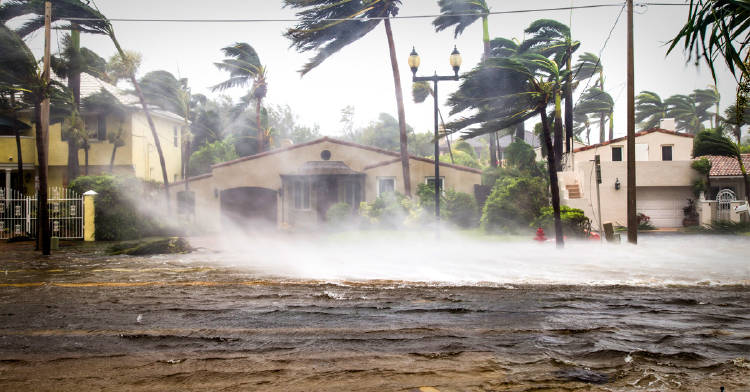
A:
(597, 163)
(41, 140)
(632, 218)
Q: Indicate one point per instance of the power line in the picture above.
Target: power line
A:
(521, 11)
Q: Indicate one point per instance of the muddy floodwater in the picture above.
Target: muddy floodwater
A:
(215, 320)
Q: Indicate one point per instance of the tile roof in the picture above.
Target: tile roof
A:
(727, 166)
(637, 134)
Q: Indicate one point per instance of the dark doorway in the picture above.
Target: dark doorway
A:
(249, 207)
(327, 195)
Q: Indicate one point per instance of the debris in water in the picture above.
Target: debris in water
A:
(139, 318)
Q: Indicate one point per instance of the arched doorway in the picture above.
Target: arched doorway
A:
(249, 207)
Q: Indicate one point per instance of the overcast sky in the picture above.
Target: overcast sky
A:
(360, 75)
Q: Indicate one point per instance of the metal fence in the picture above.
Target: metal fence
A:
(18, 214)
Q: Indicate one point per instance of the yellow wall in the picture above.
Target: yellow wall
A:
(9, 150)
(145, 157)
(459, 180)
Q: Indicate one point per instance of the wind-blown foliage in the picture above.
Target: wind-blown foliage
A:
(712, 142)
(716, 28)
(649, 109)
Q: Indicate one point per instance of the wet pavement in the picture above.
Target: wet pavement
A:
(82, 320)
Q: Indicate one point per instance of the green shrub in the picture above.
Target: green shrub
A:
(574, 221)
(210, 154)
(389, 210)
(339, 214)
(463, 145)
(514, 203)
(116, 216)
(521, 155)
(457, 208)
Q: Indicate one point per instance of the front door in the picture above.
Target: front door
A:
(327, 195)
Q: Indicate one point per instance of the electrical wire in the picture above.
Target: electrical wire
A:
(521, 11)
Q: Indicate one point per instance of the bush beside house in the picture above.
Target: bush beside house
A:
(514, 203)
(117, 218)
(574, 221)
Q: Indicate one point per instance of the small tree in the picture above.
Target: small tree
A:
(712, 142)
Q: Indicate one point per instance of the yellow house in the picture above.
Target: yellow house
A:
(138, 156)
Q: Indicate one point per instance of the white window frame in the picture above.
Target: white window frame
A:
(377, 184)
(442, 182)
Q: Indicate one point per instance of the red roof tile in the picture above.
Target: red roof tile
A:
(637, 134)
(726, 166)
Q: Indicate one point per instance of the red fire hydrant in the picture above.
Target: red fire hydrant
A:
(540, 235)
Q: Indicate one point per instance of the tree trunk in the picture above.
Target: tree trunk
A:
(21, 187)
(150, 121)
(602, 133)
(554, 186)
(74, 84)
(611, 125)
(558, 133)
(261, 135)
(568, 104)
(112, 158)
(400, 106)
(492, 136)
(744, 177)
(520, 132)
(86, 160)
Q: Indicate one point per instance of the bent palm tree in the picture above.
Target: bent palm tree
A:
(595, 101)
(460, 14)
(588, 66)
(327, 26)
(649, 109)
(522, 86)
(244, 67)
(704, 100)
(685, 112)
(737, 120)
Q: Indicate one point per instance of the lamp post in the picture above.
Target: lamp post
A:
(455, 62)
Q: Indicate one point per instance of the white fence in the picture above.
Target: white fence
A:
(18, 214)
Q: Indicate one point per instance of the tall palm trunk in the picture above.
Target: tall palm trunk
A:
(261, 134)
(18, 143)
(558, 133)
(150, 121)
(112, 158)
(492, 136)
(43, 238)
(611, 125)
(74, 84)
(602, 115)
(568, 103)
(554, 186)
(400, 105)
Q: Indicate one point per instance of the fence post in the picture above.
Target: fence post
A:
(88, 216)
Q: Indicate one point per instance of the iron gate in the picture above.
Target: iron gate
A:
(725, 197)
(18, 214)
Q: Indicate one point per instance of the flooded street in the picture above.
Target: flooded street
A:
(82, 321)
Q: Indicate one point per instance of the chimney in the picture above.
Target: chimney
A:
(668, 124)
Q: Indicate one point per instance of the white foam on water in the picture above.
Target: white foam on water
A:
(454, 258)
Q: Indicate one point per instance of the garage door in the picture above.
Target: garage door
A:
(663, 204)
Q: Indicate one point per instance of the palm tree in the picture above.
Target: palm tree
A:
(104, 102)
(162, 89)
(704, 100)
(460, 14)
(649, 109)
(420, 91)
(588, 66)
(714, 29)
(595, 101)
(685, 112)
(327, 26)
(19, 71)
(244, 67)
(581, 124)
(9, 107)
(511, 90)
(92, 21)
(712, 142)
(736, 120)
(72, 61)
(552, 39)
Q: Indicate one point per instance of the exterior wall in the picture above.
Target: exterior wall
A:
(681, 151)
(736, 183)
(9, 150)
(145, 158)
(677, 175)
(459, 180)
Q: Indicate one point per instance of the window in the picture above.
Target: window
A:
(666, 153)
(431, 182)
(386, 184)
(617, 154)
(353, 193)
(301, 193)
(176, 137)
(101, 129)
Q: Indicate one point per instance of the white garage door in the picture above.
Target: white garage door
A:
(663, 204)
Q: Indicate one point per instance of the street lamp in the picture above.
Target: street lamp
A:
(455, 62)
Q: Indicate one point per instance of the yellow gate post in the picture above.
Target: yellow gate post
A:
(88, 216)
